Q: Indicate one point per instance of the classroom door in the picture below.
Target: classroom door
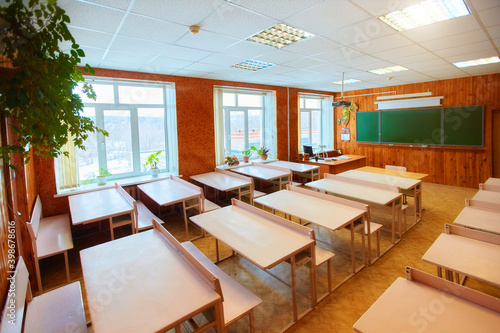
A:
(496, 143)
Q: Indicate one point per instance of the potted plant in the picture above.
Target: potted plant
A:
(322, 147)
(246, 155)
(231, 160)
(153, 162)
(101, 179)
(263, 151)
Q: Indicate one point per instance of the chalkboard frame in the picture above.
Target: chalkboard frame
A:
(445, 135)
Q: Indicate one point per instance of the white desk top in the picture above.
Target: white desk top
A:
(481, 219)
(467, 256)
(401, 306)
(492, 181)
(262, 241)
(260, 172)
(403, 183)
(140, 283)
(220, 181)
(295, 167)
(168, 192)
(488, 196)
(94, 206)
(322, 212)
(355, 191)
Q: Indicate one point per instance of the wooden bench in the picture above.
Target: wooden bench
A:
(237, 300)
(49, 236)
(374, 230)
(321, 256)
(59, 310)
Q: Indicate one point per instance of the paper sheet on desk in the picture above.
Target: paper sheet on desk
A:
(343, 157)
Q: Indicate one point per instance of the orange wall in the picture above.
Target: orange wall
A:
(196, 138)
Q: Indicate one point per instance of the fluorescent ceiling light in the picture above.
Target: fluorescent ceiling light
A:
(346, 81)
(252, 65)
(279, 36)
(477, 62)
(427, 12)
(388, 70)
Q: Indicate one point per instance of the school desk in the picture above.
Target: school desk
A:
(369, 192)
(144, 283)
(263, 238)
(299, 169)
(341, 164)
(488, 196)
(426, 303)
(480, 215)
(222, 180)
(262, 171)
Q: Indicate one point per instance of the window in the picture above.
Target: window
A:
(244, 118)
(316, 121)
(140, 119)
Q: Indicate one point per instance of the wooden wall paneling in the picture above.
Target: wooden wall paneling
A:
(4, 232)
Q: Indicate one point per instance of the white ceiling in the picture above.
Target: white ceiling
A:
(153, 36)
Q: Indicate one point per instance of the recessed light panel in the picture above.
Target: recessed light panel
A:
(346, 81)
(387, 70)
(279, 36)
(427, 12)
(252, 65)
(477, 62)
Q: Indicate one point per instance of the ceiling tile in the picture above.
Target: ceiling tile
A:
(170, 62)
(341, 54)
(122, 4)
(443, 29)
(183, 53)
(198, 66)
(490, 16)
(187, 12)
(92, 17)
(470, 56)
(483, 69)
(484, 47)
(122, 66)
(383, 7)
(277, 9)
(137, 46)
(222, 59)
(277, 56)
(455, 40)
(318, 19)
(483, 4)
(125, 57)
(304, 62)
(236, 22)
(412, 50)
(434, 63)
(391, 42)
(152, 29)
(205, 40)
(312, 46)
(494, 31)
(247, 49)
(360, 33)
(91, 38)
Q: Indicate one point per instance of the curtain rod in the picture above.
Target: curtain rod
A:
(385, 92)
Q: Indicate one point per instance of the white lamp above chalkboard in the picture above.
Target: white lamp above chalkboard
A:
(404, 102)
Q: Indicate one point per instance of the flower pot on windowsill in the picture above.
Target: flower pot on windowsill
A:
(101, 180)
(246, 159)
(263, 157)
(155, 172)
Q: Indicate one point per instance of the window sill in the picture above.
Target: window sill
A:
(111, 183)
(242, 164)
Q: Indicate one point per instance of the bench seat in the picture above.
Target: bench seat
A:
(144, 217)
(54, 236)
(57, 311)
(238, 301)
(209, 206)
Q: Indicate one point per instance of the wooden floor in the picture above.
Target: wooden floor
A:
(340, 310)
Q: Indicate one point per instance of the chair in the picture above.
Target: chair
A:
(398, 168)
(50, 236)
(125, 219)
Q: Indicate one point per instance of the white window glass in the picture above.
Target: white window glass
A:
(151, 123)
(104, 94)
(304, 128)
(88, 159)
(140, 95)
(119, 142)
(255, 128)
(249, 100)
(237, 130)
(316, 122)
(229, 99)
(316, 128)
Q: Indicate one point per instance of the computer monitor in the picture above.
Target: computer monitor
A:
(308, 150)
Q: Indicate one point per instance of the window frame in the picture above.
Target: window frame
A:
(325, 126)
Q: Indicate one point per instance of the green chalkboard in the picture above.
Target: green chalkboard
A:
(462, 124)
(449, 126)
(418, 126)
(367, 126)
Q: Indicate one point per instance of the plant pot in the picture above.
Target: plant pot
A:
(263, 157)
(154, 172)
(101, 180)
(246, 159)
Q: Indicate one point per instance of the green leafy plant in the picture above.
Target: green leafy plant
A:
(247, 152)
(37, 94)
(153, 160)
(263, 151)
(231, 160)
(104, 173)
